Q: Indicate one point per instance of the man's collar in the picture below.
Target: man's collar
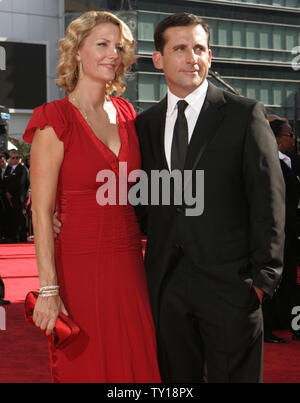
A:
(285, 158)
(192, 99)
(282, 156)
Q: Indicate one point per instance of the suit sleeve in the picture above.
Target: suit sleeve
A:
(19, 184)
(265, 189)
(24, 183)
(141, 211)
(292, 195)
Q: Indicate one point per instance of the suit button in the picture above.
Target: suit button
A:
(179, 210)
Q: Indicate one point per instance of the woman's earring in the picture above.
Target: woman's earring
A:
(80, 68)
(79, 71)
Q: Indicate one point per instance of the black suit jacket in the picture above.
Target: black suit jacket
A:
(16, 182)
(295, 159)
(2, 193)
(240, 235)
(292, 185)
(1, 182)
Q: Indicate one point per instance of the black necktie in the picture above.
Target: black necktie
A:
(180, 138)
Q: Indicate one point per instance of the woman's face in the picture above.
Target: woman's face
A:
(100, 53)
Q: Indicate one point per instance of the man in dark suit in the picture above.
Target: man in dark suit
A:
(208, 273)
(3, 225)
(3, 165)
(278, 311)
(16, 184)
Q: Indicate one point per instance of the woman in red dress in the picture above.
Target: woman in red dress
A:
(97, 259)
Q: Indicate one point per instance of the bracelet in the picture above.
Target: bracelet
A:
(49, 291)
(49, 294)
(49, 288)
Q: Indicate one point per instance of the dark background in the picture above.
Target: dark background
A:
(24, 83)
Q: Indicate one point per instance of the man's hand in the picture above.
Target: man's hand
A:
(56, 225)
(259, 293)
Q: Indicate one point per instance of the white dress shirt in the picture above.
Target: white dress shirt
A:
(288, 162)
(285, 159)
(192, 111)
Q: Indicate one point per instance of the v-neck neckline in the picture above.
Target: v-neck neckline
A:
(92, 133)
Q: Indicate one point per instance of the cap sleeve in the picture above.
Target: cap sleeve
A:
(131, 109)
(49, 114)
(126, 108)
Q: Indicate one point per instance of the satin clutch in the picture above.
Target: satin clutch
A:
(65, 330)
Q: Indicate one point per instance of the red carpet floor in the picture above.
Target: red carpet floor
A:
(24, 350)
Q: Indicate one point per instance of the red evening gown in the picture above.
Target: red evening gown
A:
(98, 255)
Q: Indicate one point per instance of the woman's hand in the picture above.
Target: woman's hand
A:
(46, 311)
(46, 157)
(56, 225)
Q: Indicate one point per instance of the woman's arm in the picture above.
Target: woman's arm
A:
(47, 153)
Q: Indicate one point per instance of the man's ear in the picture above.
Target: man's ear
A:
(209, 57)
(157, 60)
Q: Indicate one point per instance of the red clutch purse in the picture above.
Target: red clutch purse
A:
(65, 330)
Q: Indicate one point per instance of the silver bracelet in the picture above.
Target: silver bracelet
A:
(49, 287)
(49, 291)
(49, 294)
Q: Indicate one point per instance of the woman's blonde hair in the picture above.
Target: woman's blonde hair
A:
(77, 31)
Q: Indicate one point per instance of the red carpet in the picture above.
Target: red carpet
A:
(282, 362)
(24, 350)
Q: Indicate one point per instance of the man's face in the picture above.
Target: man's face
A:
(14, 159)
(2, 162)
(185, 60)
(286, 140)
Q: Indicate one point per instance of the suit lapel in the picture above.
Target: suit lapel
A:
(209, 120)
(7, 171)
(158, 133)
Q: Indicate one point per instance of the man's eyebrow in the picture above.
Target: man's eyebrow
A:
(201, 45)
(183, 45)
(179, 45)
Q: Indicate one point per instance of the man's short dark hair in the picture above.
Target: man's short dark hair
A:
(177, 20)
(5, 154)
(276, 126)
